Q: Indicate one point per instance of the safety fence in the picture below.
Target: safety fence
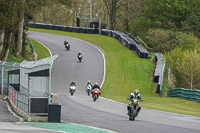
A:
(188, 94)
(159, 72)
(20, 100)
(4, 68)
(26, 103)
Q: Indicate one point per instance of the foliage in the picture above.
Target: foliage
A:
(185, 67)
(188, 41)
(189, 71)
(14, 16)
(161, 40)
(168, 13)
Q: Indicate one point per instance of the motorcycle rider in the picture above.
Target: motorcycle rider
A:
(72, 83)
(67, 46)
(88, 84)
(135, 95)
(65, 42)
(80, 55)
(96, 85)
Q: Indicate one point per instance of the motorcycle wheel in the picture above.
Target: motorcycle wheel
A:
(71, 93)
(131, 118)
(132, 115)
(88, 92)
(94, 99)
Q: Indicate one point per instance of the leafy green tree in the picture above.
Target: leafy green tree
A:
(189, 70)
(168, 13)
(185, 67)
(161, 40)
(188, 41)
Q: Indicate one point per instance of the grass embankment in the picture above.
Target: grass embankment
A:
(41, 51)
(126, 72)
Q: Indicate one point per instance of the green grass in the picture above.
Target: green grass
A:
(42, 52)
(126, 72)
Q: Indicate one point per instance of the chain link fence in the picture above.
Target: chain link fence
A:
(4, 68)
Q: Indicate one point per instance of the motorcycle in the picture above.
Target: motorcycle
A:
(72, 90)
(88, 89)
(133, 108)
(80, 57)
(67, 45)
(95, 94)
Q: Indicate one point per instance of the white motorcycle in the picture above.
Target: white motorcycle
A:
(72, 89)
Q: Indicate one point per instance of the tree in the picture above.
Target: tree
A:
(185, 67)
(20, 27)
(161, 40)
(168, 13)
(8, 23)
(111, 7)
(189, 70)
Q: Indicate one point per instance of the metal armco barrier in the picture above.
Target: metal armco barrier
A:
(188, 94)
(159, 72)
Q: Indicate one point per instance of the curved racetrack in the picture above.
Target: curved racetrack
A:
(103, 113)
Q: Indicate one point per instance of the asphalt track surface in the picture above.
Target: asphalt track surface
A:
(103, 113)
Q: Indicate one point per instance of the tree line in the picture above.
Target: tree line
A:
(171, 27)
(14, 17)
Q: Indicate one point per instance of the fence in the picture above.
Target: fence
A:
(188, 94)
(20, 100)
(27, 104)
(4, 68)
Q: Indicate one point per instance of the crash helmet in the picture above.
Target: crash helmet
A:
(96, 83)
(73, 82)
(136, 92)
(88, 81)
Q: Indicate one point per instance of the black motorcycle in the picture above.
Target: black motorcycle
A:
(67, 45)
(80, 57)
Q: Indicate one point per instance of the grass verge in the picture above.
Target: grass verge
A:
(126, 72)
(41, 51)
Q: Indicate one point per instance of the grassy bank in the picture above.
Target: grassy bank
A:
(41, 51)
(126, 72)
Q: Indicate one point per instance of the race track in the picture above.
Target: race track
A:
(103, 113)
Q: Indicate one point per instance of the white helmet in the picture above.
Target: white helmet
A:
(136, 92)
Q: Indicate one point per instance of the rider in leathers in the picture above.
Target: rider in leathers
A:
(72, 83)
(96, 86)
(88, 83)
(135, 95)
